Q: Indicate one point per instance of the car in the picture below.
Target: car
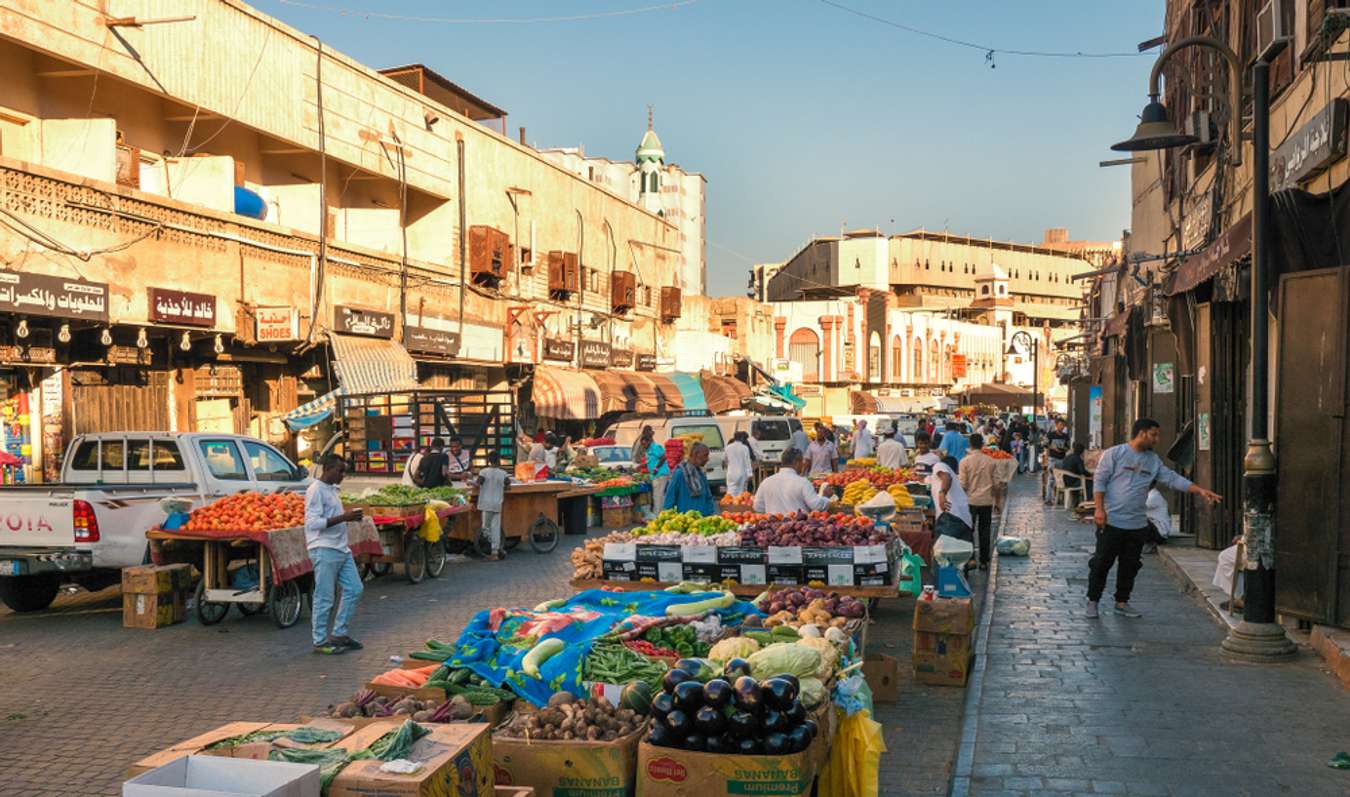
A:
(615, 457)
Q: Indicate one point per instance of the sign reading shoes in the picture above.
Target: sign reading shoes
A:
(277, 324)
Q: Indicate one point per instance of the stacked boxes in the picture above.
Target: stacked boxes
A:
(154, 596)
(943, 653)
(844, 566)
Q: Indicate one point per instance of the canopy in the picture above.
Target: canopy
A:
(565, 394)
(310, 413)
(723, 393)
(570, 394)
(999, 395)
(691, 391)
(371, 365)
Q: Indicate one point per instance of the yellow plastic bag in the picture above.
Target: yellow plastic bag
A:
(430, 530)
(854, 765)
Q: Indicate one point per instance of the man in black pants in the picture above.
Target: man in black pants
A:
(1120, 492)
(978, 478)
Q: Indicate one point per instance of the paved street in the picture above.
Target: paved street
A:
(1144, 707)
(81, 697)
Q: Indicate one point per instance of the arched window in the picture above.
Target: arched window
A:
(897, 359)
(874, 358)
(916, 369)
(984, 290)
(804, 348)
(933, 364)
(654, 181)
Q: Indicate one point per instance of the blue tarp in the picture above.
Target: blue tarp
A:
(495, 642)
(691, 390)
(310, 413)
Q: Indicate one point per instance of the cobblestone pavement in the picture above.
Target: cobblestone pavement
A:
(81, 697)
(1146, 706)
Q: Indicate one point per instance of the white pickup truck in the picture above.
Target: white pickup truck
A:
(91, 524)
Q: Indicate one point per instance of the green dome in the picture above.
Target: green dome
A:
(650, 148)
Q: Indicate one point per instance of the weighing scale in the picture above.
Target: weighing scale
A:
(950, 558)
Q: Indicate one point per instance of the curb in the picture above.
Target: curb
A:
(970, 711)
(1189, 587)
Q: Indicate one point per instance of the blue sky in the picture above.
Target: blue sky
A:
(804, 117)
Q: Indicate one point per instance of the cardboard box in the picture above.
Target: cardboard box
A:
(784, 575)
(658, 553)
(619, 571)
(882, 673)
(944, 616)
(153, 610)
(737, 555)
(572, 768)
(257, 751)
(942, 659)
(668, 772)
(456, 759)
(421, 693)
(154, 579)
(210, 776)
(665, 572)
(615, 517)
(514, 791)
(702, 573)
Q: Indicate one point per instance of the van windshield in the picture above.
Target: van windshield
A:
(772, 430)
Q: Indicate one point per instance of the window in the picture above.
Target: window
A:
(927, 267)
(647, 295)
(223, 460)
(772, 430)
(984, 290)
(162, 454)
(712, 433)
(804, 348)
(98, 455)
(268, 464)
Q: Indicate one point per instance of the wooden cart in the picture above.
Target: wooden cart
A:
(402, 545)
(529, 511)
(283, 600)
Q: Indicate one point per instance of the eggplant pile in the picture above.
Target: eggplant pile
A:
(731, 713)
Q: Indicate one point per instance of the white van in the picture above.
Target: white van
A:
(625, 433)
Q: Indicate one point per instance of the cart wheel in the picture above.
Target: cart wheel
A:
(286, 602)
(436, 556)
(544, 534)
(510, 543)
(415, 560)
(209, 613)
(374, 569)
(250, 609)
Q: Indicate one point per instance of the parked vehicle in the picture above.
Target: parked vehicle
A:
(615, 457)
(775, 432)
(626, 432)
(87, 527)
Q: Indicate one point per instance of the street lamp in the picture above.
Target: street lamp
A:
(1020, 343)
(1258, 637)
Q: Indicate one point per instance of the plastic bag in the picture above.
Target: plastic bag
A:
(852, 694)
(948, 548)
(430, 530)
(1012, 546)
(854, 765)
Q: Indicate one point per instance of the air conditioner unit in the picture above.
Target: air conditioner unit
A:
(1201, 125)
(1274, 28)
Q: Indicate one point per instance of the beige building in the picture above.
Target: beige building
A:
(192, 209)
(676, 195)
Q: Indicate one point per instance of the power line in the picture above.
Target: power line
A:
(987, 50)
(622, 12)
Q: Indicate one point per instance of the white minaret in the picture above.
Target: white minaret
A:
(651, 161)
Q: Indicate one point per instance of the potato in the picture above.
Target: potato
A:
(592, 733)
(560, 698)
(422, 716)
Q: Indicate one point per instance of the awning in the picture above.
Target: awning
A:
(723, 393)
(310, 413)
(566, 395)
(769, 401)
(1000, 395)
(616, 395)
(1227, 249)
(899, 405)
(861, 403)
(659, 389)
(1117, 324)
(691, 392)
(371, 365)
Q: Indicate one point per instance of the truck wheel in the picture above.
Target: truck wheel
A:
(29, 593)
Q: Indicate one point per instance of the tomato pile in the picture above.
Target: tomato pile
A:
(249, 512)
(878, 477)
(744, 499)
(998, 453)
(820, 529)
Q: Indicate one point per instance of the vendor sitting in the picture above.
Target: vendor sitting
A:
(688, 488)
(788, 491)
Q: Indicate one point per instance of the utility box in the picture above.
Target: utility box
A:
(623, 291)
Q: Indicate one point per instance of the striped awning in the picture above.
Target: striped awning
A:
(660, 390)
(691, 392)
(566, 395)
(312, 412)
(371, 365)
(723, 393)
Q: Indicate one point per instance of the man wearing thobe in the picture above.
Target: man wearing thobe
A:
(864, 442)
(739, 462)
(891, 453)
(821, 454)
(788, 491)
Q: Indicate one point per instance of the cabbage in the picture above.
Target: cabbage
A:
(828, 655)
(795, 658)
(736, 647)
(811, 692)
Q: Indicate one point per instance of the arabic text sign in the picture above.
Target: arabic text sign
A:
(182, 307)
(426, 340)
(1312, 148)
(594, 354)
(355, 321)
(277, 324)
(43, 295)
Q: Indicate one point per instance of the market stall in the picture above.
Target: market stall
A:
(529, 511)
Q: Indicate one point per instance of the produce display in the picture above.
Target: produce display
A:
(588, 560)
(368, 704)
(597, 473)
(814, 529)
(903, 498)
(691, 522)
(877, 476)
(858, 492)
(592, 442)
(613, 662)
(403, 495)
(862, 462)
(731, 712)
(997, 453)
(567, 717)
(249, 512)
(800, 607)
(412, 679)
(744, 499)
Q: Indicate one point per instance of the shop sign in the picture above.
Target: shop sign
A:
(40, 294)
(555, 349)
(646, 362)
(28, 354)
(1164, 378)
(182, 307)
(431, 341)
(1311, 149)
(958, 366)
(1196, 221)
(594, 354)
(621, 358)
(276, 324)
(356, 321)
(129, 355)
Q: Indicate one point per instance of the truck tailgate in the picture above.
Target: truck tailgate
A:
(37, 521)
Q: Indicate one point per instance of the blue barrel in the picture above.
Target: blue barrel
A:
(248, 203)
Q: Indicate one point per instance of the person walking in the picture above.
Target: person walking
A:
(979, 477)
(491, 489)
(1122, 480)
(740, 463)
(689, 488)
(864, 442)
(334, 568)
(1056, 448)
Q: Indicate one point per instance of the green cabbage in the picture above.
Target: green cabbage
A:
(791, 658)
(811, 692)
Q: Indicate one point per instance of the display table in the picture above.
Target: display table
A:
(529, 509)
(740, 590)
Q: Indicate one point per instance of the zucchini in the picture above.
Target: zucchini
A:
(539, 654)
(723, 600)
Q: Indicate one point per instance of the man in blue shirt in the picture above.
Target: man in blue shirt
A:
(954, 444)
(688, 488)
(1120, 490)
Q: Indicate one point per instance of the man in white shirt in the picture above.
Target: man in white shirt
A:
(954, 517)
(460, 464)
(491, 489)
(891, 453)
(326, 538)
(788, 491)
(821, 454)
(924, 459)
(739, 463)
(410, 472)
(864, 442)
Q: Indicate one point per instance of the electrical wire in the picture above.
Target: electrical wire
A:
(989, 51)
(622, 12)
(37, 236)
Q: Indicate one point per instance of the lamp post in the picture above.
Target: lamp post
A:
(1258, 637)
(1020, 343)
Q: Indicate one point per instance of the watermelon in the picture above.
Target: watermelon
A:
(637, 696)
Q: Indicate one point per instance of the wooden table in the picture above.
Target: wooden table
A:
(283, 598)
(740, 590)
(529, 510)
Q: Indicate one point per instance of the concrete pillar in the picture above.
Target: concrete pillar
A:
(779, 328)
(826, 347)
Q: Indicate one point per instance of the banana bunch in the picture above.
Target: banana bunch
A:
(859, 492)
(863, 462)
(901, 495)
